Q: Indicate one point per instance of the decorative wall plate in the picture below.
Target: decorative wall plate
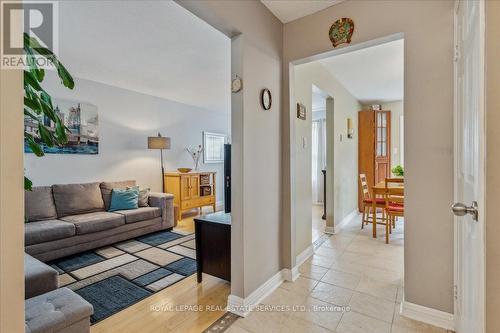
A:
(341, 31)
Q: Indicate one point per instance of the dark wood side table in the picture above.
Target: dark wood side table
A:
(213, 245)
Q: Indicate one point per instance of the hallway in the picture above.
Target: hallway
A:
(349, 269)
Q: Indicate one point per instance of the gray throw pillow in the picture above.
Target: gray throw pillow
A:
(143, 196)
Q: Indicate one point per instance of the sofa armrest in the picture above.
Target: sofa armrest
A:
(165, 201)
(39, 278)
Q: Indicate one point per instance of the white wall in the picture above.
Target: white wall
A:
(126, 119)
(345, 151)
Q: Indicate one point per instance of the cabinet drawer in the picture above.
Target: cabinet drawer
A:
(188, 204)
(208, 200)
(198, 202)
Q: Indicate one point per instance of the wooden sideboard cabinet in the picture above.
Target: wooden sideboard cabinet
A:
(191, 190)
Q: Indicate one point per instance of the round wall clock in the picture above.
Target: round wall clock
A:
(341, 31)
(236, 84)
(266, 99)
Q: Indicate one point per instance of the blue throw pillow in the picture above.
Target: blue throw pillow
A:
(122, 199)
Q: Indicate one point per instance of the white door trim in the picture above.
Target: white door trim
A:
(481, 199)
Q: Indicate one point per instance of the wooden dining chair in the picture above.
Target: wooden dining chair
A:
(393, 182)
(367, 203)
(394, 207)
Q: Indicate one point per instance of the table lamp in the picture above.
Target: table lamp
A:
(160, 142)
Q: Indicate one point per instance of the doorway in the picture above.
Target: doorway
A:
(318, 160)
(361, 79)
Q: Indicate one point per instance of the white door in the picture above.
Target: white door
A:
(469, 168)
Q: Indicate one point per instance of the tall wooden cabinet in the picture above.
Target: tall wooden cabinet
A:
(374, 150)
(191, 190)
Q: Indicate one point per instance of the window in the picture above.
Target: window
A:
(213, 147)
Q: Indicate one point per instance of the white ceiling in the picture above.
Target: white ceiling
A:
(153, 47)
(289, 10)
(374, 74)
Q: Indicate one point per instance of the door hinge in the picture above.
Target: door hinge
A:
(455, 291)
(456, 56)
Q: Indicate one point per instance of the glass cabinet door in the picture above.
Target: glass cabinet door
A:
(381, 144)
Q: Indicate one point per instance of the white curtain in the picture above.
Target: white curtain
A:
(318, 146)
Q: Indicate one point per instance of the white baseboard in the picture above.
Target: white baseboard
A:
(427, 315)
(291, 274)
(304, 255)
(329, 230)
(243, 306)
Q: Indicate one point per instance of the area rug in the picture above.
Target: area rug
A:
(114, 277)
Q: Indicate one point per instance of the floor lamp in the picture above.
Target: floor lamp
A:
(160, 142)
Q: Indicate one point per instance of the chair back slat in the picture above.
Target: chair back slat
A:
(394, 195)
(396, 181)
(364, 186)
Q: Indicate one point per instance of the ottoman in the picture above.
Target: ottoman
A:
(39, 278)
(60, 310)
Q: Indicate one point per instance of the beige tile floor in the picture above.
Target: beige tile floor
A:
(349, 269)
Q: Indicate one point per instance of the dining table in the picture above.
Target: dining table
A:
(379, 190)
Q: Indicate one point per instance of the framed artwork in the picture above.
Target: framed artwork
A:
(213, 147)
(301, 111)
(80, 118)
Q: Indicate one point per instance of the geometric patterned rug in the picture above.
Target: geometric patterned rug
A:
(114, 277)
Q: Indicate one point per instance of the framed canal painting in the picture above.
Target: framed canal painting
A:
(82, 121)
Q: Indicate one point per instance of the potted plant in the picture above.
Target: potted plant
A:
(398, 171)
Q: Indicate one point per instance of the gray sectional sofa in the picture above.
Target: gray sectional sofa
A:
(65, 219)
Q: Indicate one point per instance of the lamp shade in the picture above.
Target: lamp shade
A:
(158, 142)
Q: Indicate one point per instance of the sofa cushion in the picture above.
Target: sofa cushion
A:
(94, 222)
(60, 310)
(39, 278)
(71, 199)
(140, 214)
(39, 204)
(107, 188)
(46, 231)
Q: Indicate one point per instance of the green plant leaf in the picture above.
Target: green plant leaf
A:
(45, 135)
(28, 184)
(32, 43)
(47, 110)
(47, 99)
(35, 147)
(31, 80)
(61, 136)
(28, 113)
(65, 77)
(34, 105)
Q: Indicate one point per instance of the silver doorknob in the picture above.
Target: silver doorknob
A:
(459, 209)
